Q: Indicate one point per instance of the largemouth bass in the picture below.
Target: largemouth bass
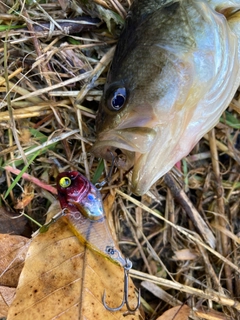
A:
(175, 70)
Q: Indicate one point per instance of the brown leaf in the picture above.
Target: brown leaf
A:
(6, 298)
(26, 197)
(108, 204)
(62, 278)
(211, 314)
(64, 4)
(176, 313)
(13, 250)
(25, 135)
(10, 224)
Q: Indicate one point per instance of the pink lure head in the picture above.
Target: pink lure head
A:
(77, 194)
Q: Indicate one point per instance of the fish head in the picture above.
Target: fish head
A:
(125, 125)
(134, 118)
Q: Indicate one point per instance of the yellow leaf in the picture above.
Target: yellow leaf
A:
(63, 279)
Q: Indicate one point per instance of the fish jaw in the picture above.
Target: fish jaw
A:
(123, 146)
(123, 137)
(149, 167)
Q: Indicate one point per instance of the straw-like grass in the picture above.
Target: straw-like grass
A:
(52, 71)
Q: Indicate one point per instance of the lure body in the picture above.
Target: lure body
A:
(83, 208)
(175, 70)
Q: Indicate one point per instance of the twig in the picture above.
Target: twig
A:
(47, 89)
(36, 44)
(32, 179)
(87, 172)
(225, 243)
(191, 211)
(208, 294)
(180, 229)
(95, 73)
(10, 110)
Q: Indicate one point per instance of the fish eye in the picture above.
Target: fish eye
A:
(65, 182)
(117, 99)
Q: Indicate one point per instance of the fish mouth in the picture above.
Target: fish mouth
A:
(124, 146)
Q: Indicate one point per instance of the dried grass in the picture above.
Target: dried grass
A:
(50, 85)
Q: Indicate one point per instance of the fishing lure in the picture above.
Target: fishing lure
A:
(82, 205)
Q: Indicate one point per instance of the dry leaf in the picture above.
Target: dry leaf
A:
(184, 254)
(6, 298)
(9, 223)
(211, 314)
(64, 4)
(176, 313)
(108, 204)
(62, 278)
(13, 250)
(25, 135)
(26, 197)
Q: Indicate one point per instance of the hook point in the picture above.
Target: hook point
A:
(127, 267)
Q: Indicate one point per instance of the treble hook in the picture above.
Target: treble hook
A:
(127, 267)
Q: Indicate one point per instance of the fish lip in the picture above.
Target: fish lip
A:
(122, 158)
(136, 139)
(124, 145)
